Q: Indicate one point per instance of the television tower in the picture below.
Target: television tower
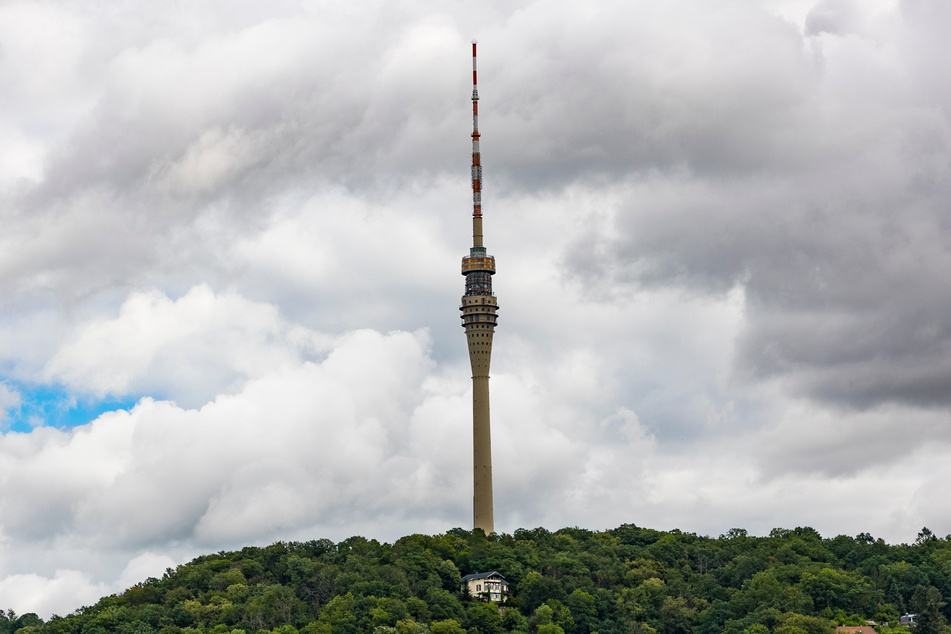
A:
(479, 309)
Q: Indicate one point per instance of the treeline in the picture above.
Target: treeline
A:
(629, 580)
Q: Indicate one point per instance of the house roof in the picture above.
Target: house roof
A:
(484, 575)
(854, 629)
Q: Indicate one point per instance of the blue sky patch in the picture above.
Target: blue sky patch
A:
(55, 406)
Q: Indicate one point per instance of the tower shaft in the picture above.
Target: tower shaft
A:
(479, 308)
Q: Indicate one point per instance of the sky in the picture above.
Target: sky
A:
(229, 273)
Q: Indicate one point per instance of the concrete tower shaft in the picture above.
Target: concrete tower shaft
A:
(479, 309)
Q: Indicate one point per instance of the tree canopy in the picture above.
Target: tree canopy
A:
(626, 580)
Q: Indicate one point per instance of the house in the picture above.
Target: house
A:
(855, 629)
(908, 620)
(490, 586)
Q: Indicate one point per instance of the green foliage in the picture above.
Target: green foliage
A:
(793, 623)
(677, 615)
(629, 580)
(583, 610)
(927, 603)
(449, 626)
(514, 621)
(484, 617)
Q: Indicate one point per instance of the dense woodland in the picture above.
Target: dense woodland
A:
(628, 580)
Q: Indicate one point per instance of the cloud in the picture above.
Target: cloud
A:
(9, 399)
(372, 437)
(839, 240)
(189, 350)
(291, 450)
(68, 590)
(362, 431)
(811, 439)
(370, 431)
(43, 595)
(837, 17)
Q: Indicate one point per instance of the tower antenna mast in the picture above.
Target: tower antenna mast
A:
(476, 157)
(479, 308)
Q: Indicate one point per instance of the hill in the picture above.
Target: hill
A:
(628, 580)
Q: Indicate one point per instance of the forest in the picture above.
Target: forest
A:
(628, 580)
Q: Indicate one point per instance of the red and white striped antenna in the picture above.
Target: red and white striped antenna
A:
(476, 160)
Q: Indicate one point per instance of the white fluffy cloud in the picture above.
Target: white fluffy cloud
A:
(9, 398)
(188, 350)
(372, 438)
(371, 430)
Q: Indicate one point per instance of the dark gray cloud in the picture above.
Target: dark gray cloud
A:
(642, 89)
(839, 236)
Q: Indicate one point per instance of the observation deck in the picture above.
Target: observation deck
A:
(478, 261)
